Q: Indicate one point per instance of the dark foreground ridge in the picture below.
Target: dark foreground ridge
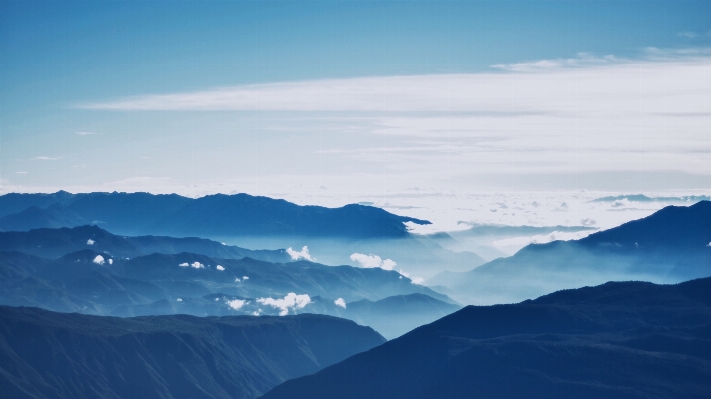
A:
(45, 354)
(616, 340)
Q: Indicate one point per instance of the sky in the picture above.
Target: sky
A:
(415, 105)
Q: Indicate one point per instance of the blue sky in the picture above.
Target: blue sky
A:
(359, 98)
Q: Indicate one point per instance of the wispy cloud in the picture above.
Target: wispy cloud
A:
(43, 158)
(647, 114)
(87, 133)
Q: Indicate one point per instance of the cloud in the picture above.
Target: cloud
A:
(583, 60)
(290, 301)
(99, 260)
(86, 133)
(371, 260)
(236, 304)
(237, 280)
(111, 261)
(689, 35)
(196, 265)
(304, 254)
(220, 267)
(21, 173)
(340, 302)
(525, 118)
(90, 242)
(245, 278)
(179, 300)
(45, 158)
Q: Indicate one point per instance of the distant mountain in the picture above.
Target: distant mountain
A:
(617, 340)
(691, 199)
(53, 243)
(54, 355)
(671, 245)
(209, 216)
(396, 315)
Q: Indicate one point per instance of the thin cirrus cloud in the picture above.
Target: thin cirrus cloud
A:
(43, 158)
(645, 114)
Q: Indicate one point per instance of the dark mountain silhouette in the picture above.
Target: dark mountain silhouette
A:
(53, 243)
(209, 216)
(671, 245)
(54, 355)
(617, 340)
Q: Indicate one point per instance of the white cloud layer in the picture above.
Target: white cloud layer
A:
(99, 260)
(647, 114)
(90, 242)
(340, 302)
(291, 301)
(371, 260)
(220, 267)
(303, 254)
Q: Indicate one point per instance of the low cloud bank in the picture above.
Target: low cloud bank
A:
(291, 301)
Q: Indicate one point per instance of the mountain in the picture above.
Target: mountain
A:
(53, 243)
(668, 246)
(617, 340)
(96, 283)
(332, 234)
(396, 315)
(209, 216)
(55, 355)
(643, 198)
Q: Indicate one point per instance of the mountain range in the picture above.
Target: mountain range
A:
(208, 216)
(617, 340)
(53, 243)
(671, 245)
(48, 355)
(332, 234)
(89, 270)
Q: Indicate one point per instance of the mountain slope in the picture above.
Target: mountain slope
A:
(53, 243)
(617, 340)
(162, 284)
(209, 216)
(53, 355)
(671, 245)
